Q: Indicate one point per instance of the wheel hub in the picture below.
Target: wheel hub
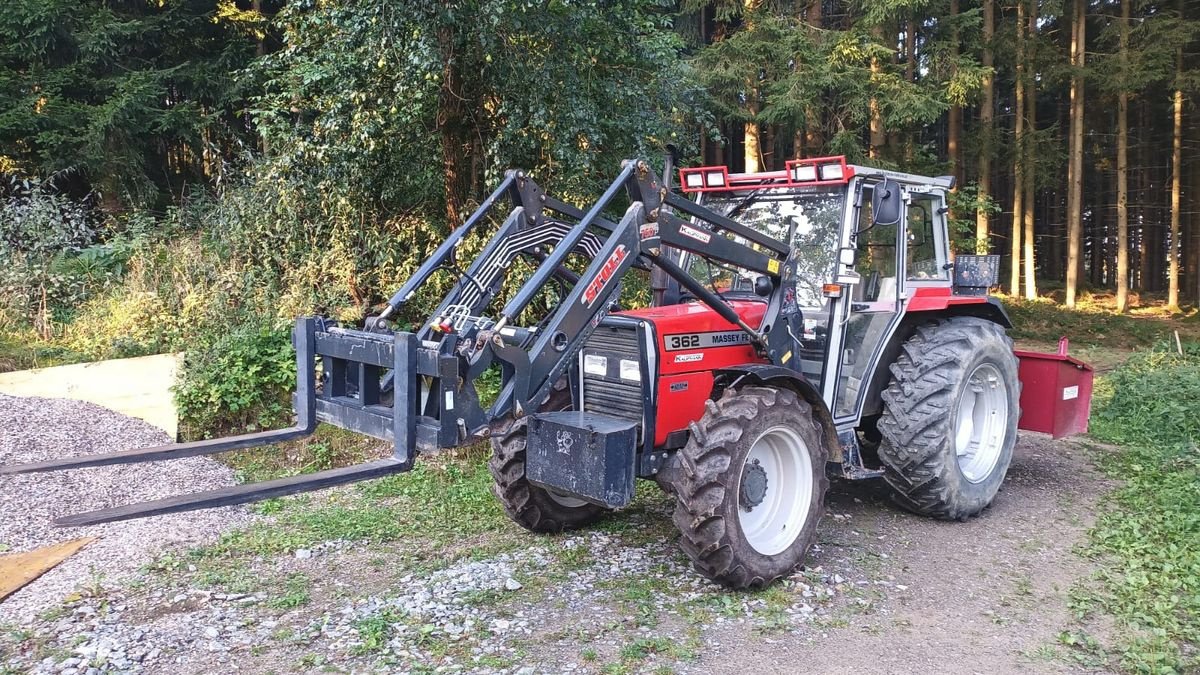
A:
(754, 485)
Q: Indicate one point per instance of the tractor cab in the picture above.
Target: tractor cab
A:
(851, 277)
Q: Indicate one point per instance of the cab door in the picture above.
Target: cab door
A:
(871, 308)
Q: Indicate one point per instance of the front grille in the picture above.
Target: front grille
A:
(610, 395)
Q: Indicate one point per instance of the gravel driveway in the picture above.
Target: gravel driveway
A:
(48, 428)
(884, 591)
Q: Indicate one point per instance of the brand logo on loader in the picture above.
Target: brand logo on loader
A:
(564, 440)
(606, 274)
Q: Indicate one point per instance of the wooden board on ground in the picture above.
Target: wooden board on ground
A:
(139, 387)
(18, 569)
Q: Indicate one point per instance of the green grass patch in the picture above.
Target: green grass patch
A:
(436, 506)
(1094, 322)
(1147, 542)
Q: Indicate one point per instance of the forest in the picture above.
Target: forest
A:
(188, 174)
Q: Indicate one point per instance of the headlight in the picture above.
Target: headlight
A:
(595, 365)
(631, 370)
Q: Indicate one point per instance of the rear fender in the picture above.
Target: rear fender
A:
(775, 376)
(918, 313)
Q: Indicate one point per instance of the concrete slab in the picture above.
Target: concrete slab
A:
(139, 387)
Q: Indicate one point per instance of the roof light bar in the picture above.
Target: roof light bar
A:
(818, 171)
(704, 179)
(798, 173)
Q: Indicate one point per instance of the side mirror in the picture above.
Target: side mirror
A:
(886, 203)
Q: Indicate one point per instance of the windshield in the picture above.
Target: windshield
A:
(817, 215)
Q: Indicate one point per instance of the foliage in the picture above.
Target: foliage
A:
(563, 90)
(1151, 400)
(41, 229)
(1149, 537)
(243, 379)
(964, 203)
(136, 95)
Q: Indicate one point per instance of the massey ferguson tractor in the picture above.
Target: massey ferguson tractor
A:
(804, 324)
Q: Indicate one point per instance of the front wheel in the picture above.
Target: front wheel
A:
(751, 486)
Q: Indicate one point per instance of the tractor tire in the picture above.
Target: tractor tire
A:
(949, 419)
(530, 506)
(750, 486)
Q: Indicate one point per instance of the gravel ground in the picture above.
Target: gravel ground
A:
(883, 592)
(48, 428)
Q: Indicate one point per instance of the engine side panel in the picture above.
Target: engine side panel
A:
(693, 341)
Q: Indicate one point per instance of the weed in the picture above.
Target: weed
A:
(1148, 537)
(375, 631)
(295, 592)
(589, 655)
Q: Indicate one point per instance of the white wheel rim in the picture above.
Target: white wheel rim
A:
(981, 423)
(774, 524)
(565, 500)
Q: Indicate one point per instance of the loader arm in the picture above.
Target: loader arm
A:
(432, 373)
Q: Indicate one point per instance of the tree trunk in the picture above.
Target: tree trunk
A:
(1123, 168)
(1019, 156)
(910, 74)
(1145, 247)
(452, 129)
(1176, 188)
(954, 117)
(814, 141)
(753, 154)
(1075, 164)
(877, 135)
(1030, 173)
(986, 112)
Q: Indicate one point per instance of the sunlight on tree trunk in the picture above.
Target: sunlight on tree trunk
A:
(1019, 156)
(1123, 167)
(1075, 154)
(1176, 188)
(1030, 153)
(986, 111)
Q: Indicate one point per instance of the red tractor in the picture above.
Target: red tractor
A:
(804, 323)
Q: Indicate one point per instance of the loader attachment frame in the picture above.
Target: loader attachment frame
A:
(416, 390)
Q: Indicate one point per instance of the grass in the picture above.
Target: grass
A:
(21, 349)
(1147, 541)
(1095, 323)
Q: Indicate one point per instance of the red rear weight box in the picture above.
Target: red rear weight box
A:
(1056, 392)
(583, 455)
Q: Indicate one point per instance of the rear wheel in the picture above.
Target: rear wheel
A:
(950, 418)
(530, 506)
(751, 486)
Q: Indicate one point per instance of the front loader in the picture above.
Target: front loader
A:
(804, 324)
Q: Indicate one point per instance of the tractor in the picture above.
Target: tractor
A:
(801, 324)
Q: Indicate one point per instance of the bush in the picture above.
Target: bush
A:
(39, 229)
(241, 381)
(1152, 400)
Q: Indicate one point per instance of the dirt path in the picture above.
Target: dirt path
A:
(986, 596)
(884, 592)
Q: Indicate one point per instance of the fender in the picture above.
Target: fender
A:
(940, 300)
(777, 376)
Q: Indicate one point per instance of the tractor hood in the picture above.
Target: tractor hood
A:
(691, 336)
